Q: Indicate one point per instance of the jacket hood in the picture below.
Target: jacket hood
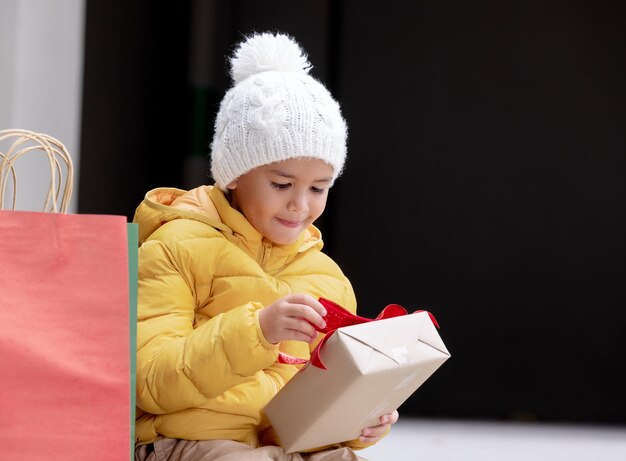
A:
(208, 205)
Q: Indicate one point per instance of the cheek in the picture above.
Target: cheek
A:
(266, 210)
(318, 205)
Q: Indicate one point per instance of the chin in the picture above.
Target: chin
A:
(286, 239)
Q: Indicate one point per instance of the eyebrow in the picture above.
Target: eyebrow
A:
(284, 174)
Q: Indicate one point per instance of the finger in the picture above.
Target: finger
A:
(374, 431)
(307, 313)
(305, 327)
(295, 335)
(310, 301)
(317, 306)
(390, 418)
(372, 434)
(364, 439)
(302, 326)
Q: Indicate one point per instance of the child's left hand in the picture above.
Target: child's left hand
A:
(374, 433)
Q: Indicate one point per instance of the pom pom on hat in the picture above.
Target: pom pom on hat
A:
(275, 111)
(266, 52)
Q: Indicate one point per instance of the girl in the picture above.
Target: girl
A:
(230, 274)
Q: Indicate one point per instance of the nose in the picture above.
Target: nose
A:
(298, 202)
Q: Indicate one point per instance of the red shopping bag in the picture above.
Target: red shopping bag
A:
(65, 336)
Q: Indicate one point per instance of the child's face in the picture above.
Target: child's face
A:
(282, 199)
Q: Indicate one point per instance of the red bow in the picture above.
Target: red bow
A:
(337, 317)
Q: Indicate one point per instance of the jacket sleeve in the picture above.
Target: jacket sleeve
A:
(178, 366)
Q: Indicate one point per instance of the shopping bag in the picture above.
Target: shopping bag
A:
(67, 319)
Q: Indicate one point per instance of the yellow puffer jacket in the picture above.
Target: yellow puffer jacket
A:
(204, 368)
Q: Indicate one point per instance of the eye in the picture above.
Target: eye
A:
(317, 190)
(280, 186)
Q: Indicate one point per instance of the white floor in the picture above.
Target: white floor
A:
(439, 440)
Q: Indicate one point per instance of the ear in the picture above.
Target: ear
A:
(232, 185)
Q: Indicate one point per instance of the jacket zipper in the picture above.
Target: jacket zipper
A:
(266, 253)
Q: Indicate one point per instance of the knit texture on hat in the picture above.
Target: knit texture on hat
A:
(275, 111)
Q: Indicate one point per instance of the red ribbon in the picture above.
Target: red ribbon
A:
(337, 317)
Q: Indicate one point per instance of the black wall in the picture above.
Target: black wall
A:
(485, 179)
(136, 107)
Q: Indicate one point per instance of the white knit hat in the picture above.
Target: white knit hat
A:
(275, 111)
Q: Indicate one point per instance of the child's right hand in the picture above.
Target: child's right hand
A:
(290, 318)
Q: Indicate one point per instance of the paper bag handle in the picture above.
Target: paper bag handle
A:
(59, 159)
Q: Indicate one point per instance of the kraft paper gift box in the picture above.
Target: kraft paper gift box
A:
(371, 369)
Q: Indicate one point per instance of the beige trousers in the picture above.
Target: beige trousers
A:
(166, 449)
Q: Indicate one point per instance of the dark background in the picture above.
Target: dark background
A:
(485, 179)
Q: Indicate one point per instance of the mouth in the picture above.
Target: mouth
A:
(290, 224)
